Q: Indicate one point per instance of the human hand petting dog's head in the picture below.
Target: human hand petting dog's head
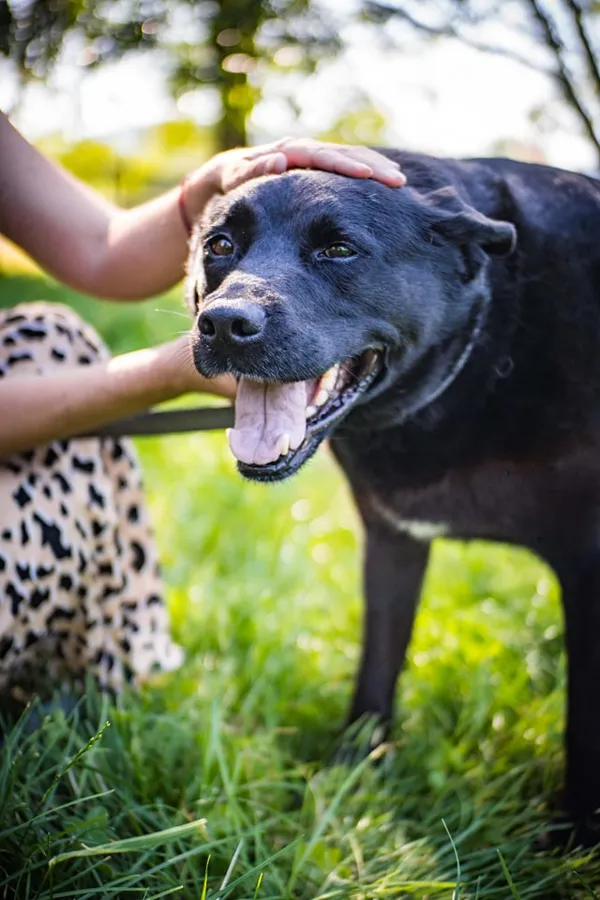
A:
(229, 169)
(236, 166)
(232, 168)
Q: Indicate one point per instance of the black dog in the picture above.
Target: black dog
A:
(457, 322)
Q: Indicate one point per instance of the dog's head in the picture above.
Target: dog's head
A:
(321, 292)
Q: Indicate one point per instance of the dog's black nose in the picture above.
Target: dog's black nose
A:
(231, 324)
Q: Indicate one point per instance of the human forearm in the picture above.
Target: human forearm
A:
(37, 409)
(146, 247)
(78, 236)
(59, 221)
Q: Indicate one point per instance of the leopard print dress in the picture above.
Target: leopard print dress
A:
(80, 588)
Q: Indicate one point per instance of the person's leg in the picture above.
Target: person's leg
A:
(80, 588)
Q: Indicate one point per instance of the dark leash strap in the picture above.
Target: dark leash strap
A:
(167, 421)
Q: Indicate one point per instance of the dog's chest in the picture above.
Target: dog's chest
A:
(418, 529)
(497, 502)
(522, 502)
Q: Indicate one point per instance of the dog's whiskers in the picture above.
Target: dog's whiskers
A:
(348, 371)
(172, 312)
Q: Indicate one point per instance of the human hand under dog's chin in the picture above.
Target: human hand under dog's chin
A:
(176, 370)
(229, 169)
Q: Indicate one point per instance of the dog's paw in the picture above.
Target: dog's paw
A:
(364, 738)
(568, 835)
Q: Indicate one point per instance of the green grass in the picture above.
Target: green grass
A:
(219, 773)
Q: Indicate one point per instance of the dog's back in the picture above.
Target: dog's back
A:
(543, 200)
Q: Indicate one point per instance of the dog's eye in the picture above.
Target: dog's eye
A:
(220, 245)
(338, 251)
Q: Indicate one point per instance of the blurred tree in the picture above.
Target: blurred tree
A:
(559, 37)
(125, 179)
(359, 123)
(226, 44)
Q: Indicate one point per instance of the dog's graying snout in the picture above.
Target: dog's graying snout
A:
(231, 323)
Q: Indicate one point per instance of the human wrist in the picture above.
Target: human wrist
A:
(196, 189)
(176, 372)
(174, 368)
(149, 376)
(183, 376)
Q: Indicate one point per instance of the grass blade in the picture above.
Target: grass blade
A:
(456, 892)
(133, 844)
(508, 877)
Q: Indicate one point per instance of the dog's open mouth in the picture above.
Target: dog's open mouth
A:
(279, 425)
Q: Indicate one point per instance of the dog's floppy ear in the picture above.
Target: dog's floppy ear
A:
(455, 221)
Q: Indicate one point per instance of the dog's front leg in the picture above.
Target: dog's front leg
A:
(394, 569)
(579, 575)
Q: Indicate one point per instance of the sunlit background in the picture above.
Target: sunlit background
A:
(131, 94)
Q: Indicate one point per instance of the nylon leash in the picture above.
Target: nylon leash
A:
(167, 421)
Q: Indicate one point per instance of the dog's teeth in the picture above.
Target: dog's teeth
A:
(285, 445)
(329, 379)
(322, 397)
(310, 411)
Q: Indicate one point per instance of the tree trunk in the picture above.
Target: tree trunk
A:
(233, 33)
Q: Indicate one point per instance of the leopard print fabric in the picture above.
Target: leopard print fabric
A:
(80, 588)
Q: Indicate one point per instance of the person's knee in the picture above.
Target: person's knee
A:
(36, 337)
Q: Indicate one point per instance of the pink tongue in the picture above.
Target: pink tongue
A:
(266, 415)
